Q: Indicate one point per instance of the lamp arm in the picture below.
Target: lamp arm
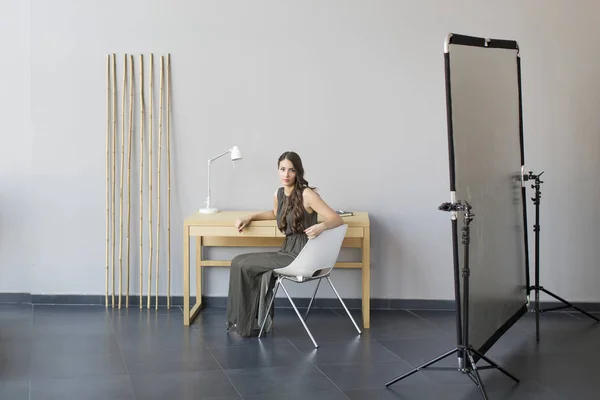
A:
(220, 155)
(210, 161)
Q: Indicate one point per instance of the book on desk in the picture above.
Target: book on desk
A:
(344, 213)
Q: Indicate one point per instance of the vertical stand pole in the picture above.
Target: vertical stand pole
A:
(537, 288)
(466, 274)
(536, 230)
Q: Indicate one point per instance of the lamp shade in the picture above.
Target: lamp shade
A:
(236, 154)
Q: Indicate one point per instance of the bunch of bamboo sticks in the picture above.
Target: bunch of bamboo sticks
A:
(128, 89)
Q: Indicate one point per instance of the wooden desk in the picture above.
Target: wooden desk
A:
(217, 230)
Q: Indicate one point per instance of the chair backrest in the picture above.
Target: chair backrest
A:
(318, 256)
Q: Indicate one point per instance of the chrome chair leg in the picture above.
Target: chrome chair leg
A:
(299, 316)
(341, 301)
(311, 300)
(270, 305)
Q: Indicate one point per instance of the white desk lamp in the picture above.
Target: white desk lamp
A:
(236, 154)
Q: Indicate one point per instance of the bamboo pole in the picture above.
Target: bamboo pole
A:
(169, 179)
(114, 166)
(123, 104)
(160, 121)
(129, 176)
(108, 126)
(150, 181)
(141, 178)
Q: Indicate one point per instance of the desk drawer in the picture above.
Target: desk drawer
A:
(262, 231)
(352, 232)
(355, 231)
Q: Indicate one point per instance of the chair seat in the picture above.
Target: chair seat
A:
(322, 273)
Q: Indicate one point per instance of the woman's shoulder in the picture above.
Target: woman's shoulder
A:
(278, 192)
(309, 193)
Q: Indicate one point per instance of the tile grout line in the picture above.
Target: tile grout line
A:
(424, 319)
(326, 377)
(223, 370)
(217, 361)
(335, 312)
(319, 369)
(121, 352)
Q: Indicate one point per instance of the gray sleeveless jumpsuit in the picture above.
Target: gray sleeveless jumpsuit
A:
(251, 278)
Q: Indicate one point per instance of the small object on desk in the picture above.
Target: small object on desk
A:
(343, 213)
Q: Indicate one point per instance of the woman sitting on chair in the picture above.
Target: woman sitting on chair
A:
(251, 281)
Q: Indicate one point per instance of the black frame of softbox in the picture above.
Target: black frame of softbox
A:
(467, 355)
(465, 40)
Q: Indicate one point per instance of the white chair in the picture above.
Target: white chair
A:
(315, 262)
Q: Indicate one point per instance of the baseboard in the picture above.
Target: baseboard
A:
(221, 301)
(15, 298)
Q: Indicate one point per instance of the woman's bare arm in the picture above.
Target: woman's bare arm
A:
(330, 217)
(262, 216)
(266, 215)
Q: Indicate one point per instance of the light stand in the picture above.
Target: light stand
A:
(466, 352)
(235, 155)
(536, 229)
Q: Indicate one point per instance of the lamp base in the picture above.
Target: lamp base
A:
(208, 210)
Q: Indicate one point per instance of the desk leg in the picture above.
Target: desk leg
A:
(189, 315)
(186, 276)
(198, 276)
(366, 279)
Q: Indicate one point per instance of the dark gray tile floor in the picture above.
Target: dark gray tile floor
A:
(86, 352)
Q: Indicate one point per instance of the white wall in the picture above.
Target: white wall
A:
(16, 157)
(357, 88)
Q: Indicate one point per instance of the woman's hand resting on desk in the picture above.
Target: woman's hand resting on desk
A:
(241, 223)
(314, 231)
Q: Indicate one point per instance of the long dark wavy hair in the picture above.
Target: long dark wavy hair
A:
(294, 203)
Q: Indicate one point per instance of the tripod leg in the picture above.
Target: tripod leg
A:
(470, 375)
(479, 382)
(495, 365)
(409, 373)
(569, 304)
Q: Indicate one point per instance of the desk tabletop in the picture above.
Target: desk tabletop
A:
(228, 217)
